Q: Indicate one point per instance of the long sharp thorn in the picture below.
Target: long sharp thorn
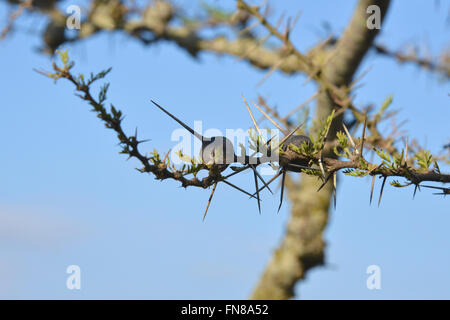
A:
(257, 192)
(415, 190)
(261, 178)
(444, 190)
(270, 181)
(321, 167)
(325, 182)
(371, 188)
(268, 141)
(350, 137)
(381, 191)
(237, 188)
(253, 119)
(433, 187)
(335, 189)
(209, 200)
(143, 141)
(282, 189)
(196, 134)
(270, 119)
(267, 145)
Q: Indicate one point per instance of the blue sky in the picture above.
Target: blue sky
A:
(68, 197)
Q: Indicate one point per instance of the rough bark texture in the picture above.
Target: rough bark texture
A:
(302, 247)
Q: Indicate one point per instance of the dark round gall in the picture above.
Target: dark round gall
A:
(297, 141)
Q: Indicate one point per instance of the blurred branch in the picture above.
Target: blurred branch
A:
(22, 6)
(433, 65)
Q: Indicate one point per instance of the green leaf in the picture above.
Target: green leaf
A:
(424, 159)
(64, 56)
(385, 156)
(98, 76)
(397, 184)
(342, 139)
(387, 102)
(319, 141)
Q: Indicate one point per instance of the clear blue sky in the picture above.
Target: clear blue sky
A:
(67, 197)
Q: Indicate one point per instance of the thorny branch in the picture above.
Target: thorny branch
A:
(356, 165)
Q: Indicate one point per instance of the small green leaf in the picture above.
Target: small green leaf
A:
(387, 102)
(424, 159)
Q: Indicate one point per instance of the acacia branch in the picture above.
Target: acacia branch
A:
(153, 164)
